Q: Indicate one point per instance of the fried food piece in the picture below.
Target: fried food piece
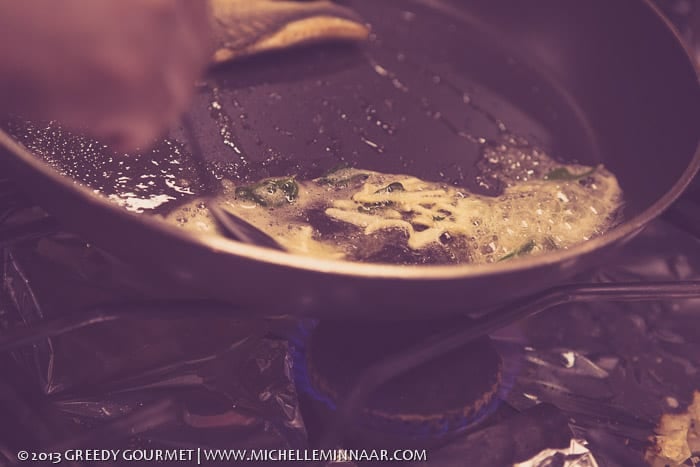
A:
(677, 437)
(248, 27)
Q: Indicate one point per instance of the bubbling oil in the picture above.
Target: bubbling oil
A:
(361, 215)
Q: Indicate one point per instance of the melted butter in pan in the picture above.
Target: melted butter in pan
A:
(361, 215)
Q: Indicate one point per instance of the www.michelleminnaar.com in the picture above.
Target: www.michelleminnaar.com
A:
(315, 455)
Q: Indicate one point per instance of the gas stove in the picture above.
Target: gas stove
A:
(100, 369)
(97, 363)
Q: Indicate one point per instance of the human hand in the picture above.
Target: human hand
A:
(119, 70)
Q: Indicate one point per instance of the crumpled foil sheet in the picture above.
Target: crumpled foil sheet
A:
(575, 455)
(187, 382)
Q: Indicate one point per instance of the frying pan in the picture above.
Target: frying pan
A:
(593, 82)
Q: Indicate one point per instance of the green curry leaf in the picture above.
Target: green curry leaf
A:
(342, 176)
(271, 192)
(562, 173)
(523, 250)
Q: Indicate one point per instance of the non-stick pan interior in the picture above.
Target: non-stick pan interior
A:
(586, 81)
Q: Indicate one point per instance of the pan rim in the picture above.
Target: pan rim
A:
(388, 271)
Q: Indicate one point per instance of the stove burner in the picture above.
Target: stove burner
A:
(423, 406)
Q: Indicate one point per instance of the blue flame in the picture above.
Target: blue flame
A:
(409, 430)
(300, 370)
